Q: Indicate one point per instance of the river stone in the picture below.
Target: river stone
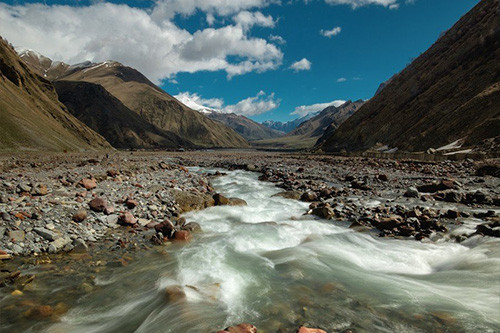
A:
(175, 294)
(40, 189)
(220, 200)
(241, 328)
(189, 201)
(237, 202)
(295, 195)
(23, 187)
(304, 329)
(46, 233)
(308, 196)
(58, 244)
(79, 246)
(16, 235)
(89, 184)
(127, 219)
(412, 192)
(192, 226)
(80, 215)
(98, 205)
(182, 235)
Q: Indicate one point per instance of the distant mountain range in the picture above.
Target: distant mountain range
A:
(31, 116)
(165, 122)
(310, 131)
(451, 93)
(289, 125)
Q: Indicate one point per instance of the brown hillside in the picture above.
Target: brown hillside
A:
(31, 117)
(448, 93)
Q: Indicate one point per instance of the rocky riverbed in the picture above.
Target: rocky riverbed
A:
(108, 210)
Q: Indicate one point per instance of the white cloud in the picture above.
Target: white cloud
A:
(248, 19)
(277, 39)
(167, 9)
(133, 36)
(394, 6)
(251, 106)
(301, 65)
(306, 109)
(330, 33)
(341, 79)
(196, 102)
(359, 3)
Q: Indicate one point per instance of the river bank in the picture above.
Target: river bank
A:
(360, 193)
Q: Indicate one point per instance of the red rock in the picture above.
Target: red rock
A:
(109, 210)
(182, 235)
(98, 205)
(80, 215)
(131, 203)
(241, 328)
(127, 219)
(89, 183)
(304, 329)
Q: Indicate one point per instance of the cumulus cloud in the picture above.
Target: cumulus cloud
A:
(250, 106)
(248, 19)
(306, 109)
(341, 79)
(301, 65)
(135, 37)
(330, 33)
(359, 3)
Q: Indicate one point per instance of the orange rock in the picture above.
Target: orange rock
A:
(40, 312)
(242, 328)
(89, 183)
(304, 329)
(182, 235)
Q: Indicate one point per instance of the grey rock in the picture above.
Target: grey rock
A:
(17, 235)
(58, 244)
(79, 246)
(47, 234)
(23, 187)
(412, 192)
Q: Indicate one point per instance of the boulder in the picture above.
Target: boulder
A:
(220, 200)
(98, 205)
(188, 201)
(80, 215)
(241, 328)
(59, 244)
(89, 183)
(436, 186)
(388, 223)
(295, 195)
(323, 212)
(236, 202)
(412, 192)
(308, 196)
(174, 294)
(304, 329)
(182, 235)
(46, 233)
(192, 227)
(166, 228)
(127, 219)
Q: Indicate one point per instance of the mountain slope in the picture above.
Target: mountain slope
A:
(157, 107)
(450, 92)
(106, 115)
(310, 131)
(245, 127)
(31, 117)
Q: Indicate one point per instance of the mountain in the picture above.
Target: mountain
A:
(31, 117)
(307, 134)
(451, 92)
(244, 126)
(153, 104)
(289, 125)
(247, 128)
(105, 114)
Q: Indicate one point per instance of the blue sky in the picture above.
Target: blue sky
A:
(188, 46)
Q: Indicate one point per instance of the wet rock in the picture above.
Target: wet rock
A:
(451, 214)
(189, 201)
(295, 195)
(241, 328)
(489, 229)
(412, 192)
(80, 215)
(388, 223)
(89, 183)
(16, 235)
(323, 212)
(182, 235)
(39, 312)
(220, 200)
(308, 196)
(167, 228)
(46, 233)
(175, 294)
(304, 329)
(251, 167)
(192, 227)
(452, 196)
(127, 220)
(98, 205)
(360, 185)
(436, 186)
(489, 169)
(236, 202)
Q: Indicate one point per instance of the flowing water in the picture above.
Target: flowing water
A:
(269, 265)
